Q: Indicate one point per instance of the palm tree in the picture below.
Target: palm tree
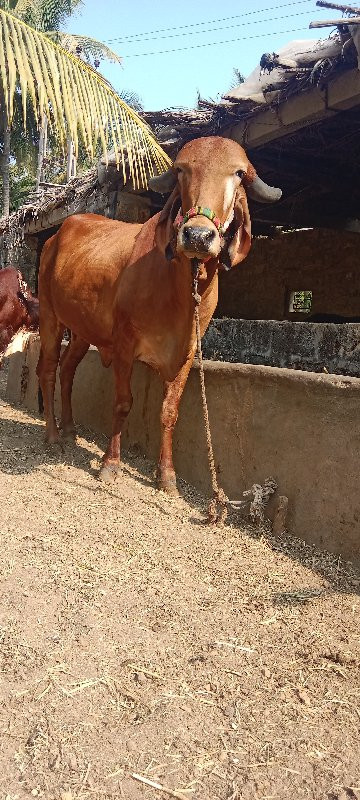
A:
(67, 92)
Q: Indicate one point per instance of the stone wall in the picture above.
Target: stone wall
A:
(317, 347)
(301, 428)
(323, 261)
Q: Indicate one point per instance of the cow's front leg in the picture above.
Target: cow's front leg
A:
(166, 478)
(122, 405)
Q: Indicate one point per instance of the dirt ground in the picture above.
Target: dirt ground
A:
(138, 644)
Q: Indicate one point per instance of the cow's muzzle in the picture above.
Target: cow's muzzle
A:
(195, 239)
(198, 239)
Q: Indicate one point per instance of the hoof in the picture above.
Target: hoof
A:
(52, 439)
(68, 435)
(55, 446)
(169, 488)
(109, 473)
(167, 483)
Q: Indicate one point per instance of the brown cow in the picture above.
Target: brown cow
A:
(127, 288)
(18, 307)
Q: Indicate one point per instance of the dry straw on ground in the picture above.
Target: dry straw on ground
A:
(142, 651)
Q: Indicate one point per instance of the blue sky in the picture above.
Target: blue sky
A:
(171, 79)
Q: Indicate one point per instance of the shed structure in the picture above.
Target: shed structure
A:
(298, 117)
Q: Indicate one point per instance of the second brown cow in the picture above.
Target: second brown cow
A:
(19, 309)
(127, 288)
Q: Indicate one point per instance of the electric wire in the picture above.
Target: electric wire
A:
(207, 22)
(212, 44)
(224, 28)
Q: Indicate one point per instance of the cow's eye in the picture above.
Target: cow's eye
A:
(240, 173)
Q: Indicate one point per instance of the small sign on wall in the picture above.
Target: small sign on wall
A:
(300, 301)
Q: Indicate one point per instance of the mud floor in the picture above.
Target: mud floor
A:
(139, 646)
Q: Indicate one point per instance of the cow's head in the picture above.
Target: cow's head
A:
(207, 215)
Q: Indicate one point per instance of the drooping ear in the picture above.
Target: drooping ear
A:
(237, 239)
(165, 234)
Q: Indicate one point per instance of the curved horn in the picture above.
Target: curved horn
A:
(260, 191)
(163, 184)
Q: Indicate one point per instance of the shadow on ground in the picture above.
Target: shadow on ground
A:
(25, 451)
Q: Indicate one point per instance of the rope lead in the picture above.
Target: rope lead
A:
(217, 508)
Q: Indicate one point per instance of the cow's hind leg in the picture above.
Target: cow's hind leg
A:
(71, 357)
(166, 477)
(51, 331)
(122, 366)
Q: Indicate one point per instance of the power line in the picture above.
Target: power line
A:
(225, 28)
(207, 22)
(211, 44)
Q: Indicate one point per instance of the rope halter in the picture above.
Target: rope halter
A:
(200, 211)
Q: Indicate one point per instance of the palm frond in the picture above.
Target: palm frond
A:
(55, 12)
(9, 5)
(90, 48)
(75, 98)
(44, 15)
(132, 99)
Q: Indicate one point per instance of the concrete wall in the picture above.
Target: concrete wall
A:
(324, 261)
(301, 428)
(317, 347)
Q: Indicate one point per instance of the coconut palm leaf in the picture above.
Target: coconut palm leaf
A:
(44, 15)
(90, 48)
(75, 99)
(132, 99)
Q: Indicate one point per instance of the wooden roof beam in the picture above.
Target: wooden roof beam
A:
(338, 23)
(307, 220)
(299, 111)
(320, 172)
(338, 7)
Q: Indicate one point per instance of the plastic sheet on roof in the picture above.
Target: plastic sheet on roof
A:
(293, 56)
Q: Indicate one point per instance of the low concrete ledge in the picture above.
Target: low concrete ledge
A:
(303, 345)
(302, 428)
